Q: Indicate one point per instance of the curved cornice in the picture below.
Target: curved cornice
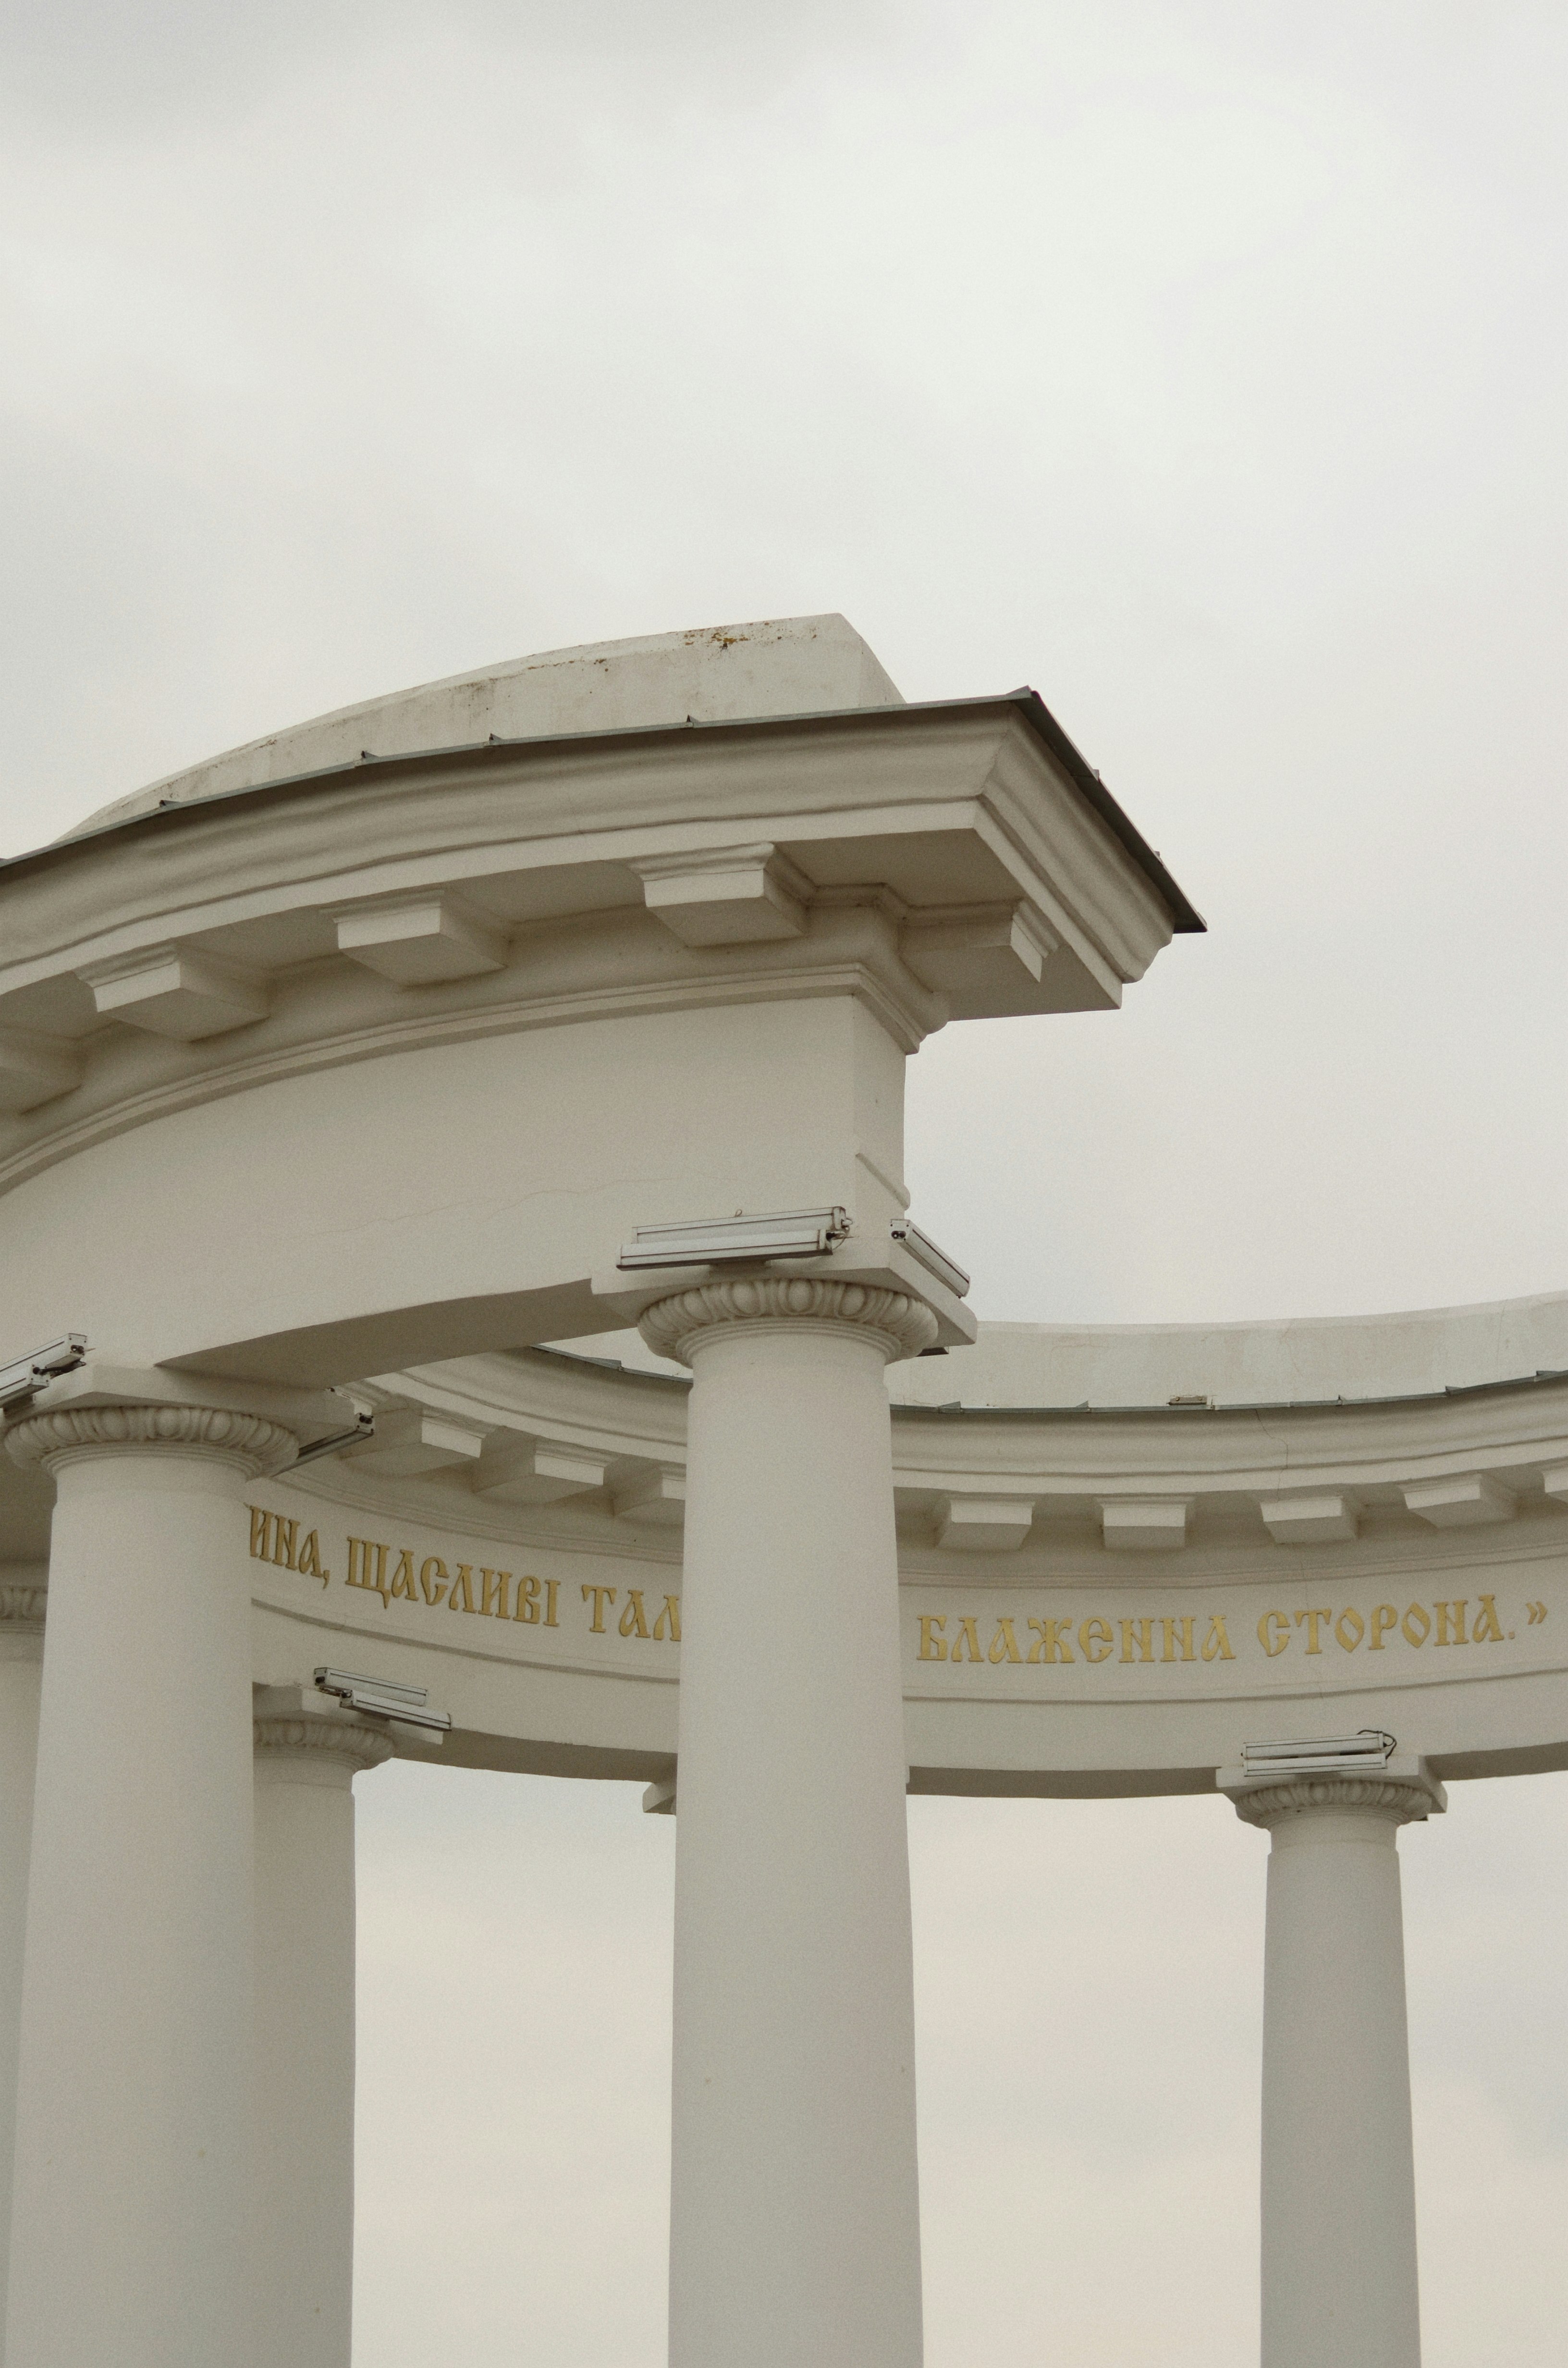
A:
(230, 909)
(326, 1014)
(1240, 1475)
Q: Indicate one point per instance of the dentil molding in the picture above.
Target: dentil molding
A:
(904, 1324)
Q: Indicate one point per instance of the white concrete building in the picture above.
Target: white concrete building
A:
(355, 1091)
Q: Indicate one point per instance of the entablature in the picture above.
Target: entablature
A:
(940, 861)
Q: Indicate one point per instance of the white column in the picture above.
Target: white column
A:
(1338, 2190)
(23, 1596)
(306, 1759)
(794, 2212)
(133, 2172)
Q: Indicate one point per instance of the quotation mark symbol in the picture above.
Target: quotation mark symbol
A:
(1537, 1612)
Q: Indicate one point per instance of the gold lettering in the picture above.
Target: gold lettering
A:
(1443, 1610)
(258, 1528)
(1314, 1617)
(283, 1541)
(1273, 1632)
(1384, 1618)
(1488, 1629)
(493, 1585)
(528, 1602)
(551, 1589)
(1051, 1640)
(1169, 1628)
(1416, 1617)
(404, 1587)
(360, 1567)
(599, 1597)
(1349, 1628)
(966, 1634)
(310, 1561)
(463, 1601)
(1004, 1645)
(1095, 1640)
(1145, 1634)
(933, 1645)
(633, 1622)
(671, 1614)
(433, 1578)
(1217, 1645)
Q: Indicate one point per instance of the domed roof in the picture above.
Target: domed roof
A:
(710, 674)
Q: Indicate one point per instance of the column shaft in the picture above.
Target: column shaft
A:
(305, 1767)
(22, 1600)
(133, 2172)
(1338, 2177)
(795, 2234)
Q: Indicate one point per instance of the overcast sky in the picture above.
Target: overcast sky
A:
(1200, 364)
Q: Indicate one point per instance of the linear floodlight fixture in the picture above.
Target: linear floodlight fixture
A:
(20, 1379)
(379, 1698)
(1321, 1755)
(923, 1251)
(711, 1241)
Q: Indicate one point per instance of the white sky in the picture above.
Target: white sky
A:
(1200, 364)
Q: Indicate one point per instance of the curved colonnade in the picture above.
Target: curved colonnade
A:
(360, 1076)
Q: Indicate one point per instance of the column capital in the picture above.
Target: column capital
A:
(65, 1434)
(902, 1323)
(1397, 1796)
(349, 1744)
(24, 1603)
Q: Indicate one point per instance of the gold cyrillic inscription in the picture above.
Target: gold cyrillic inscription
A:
(1131, 1641)
(1004, 1644)
(272, 1538)
(398, 1574)
(1051, 1640)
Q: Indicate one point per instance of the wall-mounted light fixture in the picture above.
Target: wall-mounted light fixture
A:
(25, 1374)
(923, 1251)
(709, 1241)
(378, 1698)
(1321, 1755)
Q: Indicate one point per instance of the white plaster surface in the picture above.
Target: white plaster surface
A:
(710, 674)
(302, 2231)
(21, 1670)
(1268, 1362)
(794, 2207)
(1338, 2180)
(131, 2229)
(439, 1037)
